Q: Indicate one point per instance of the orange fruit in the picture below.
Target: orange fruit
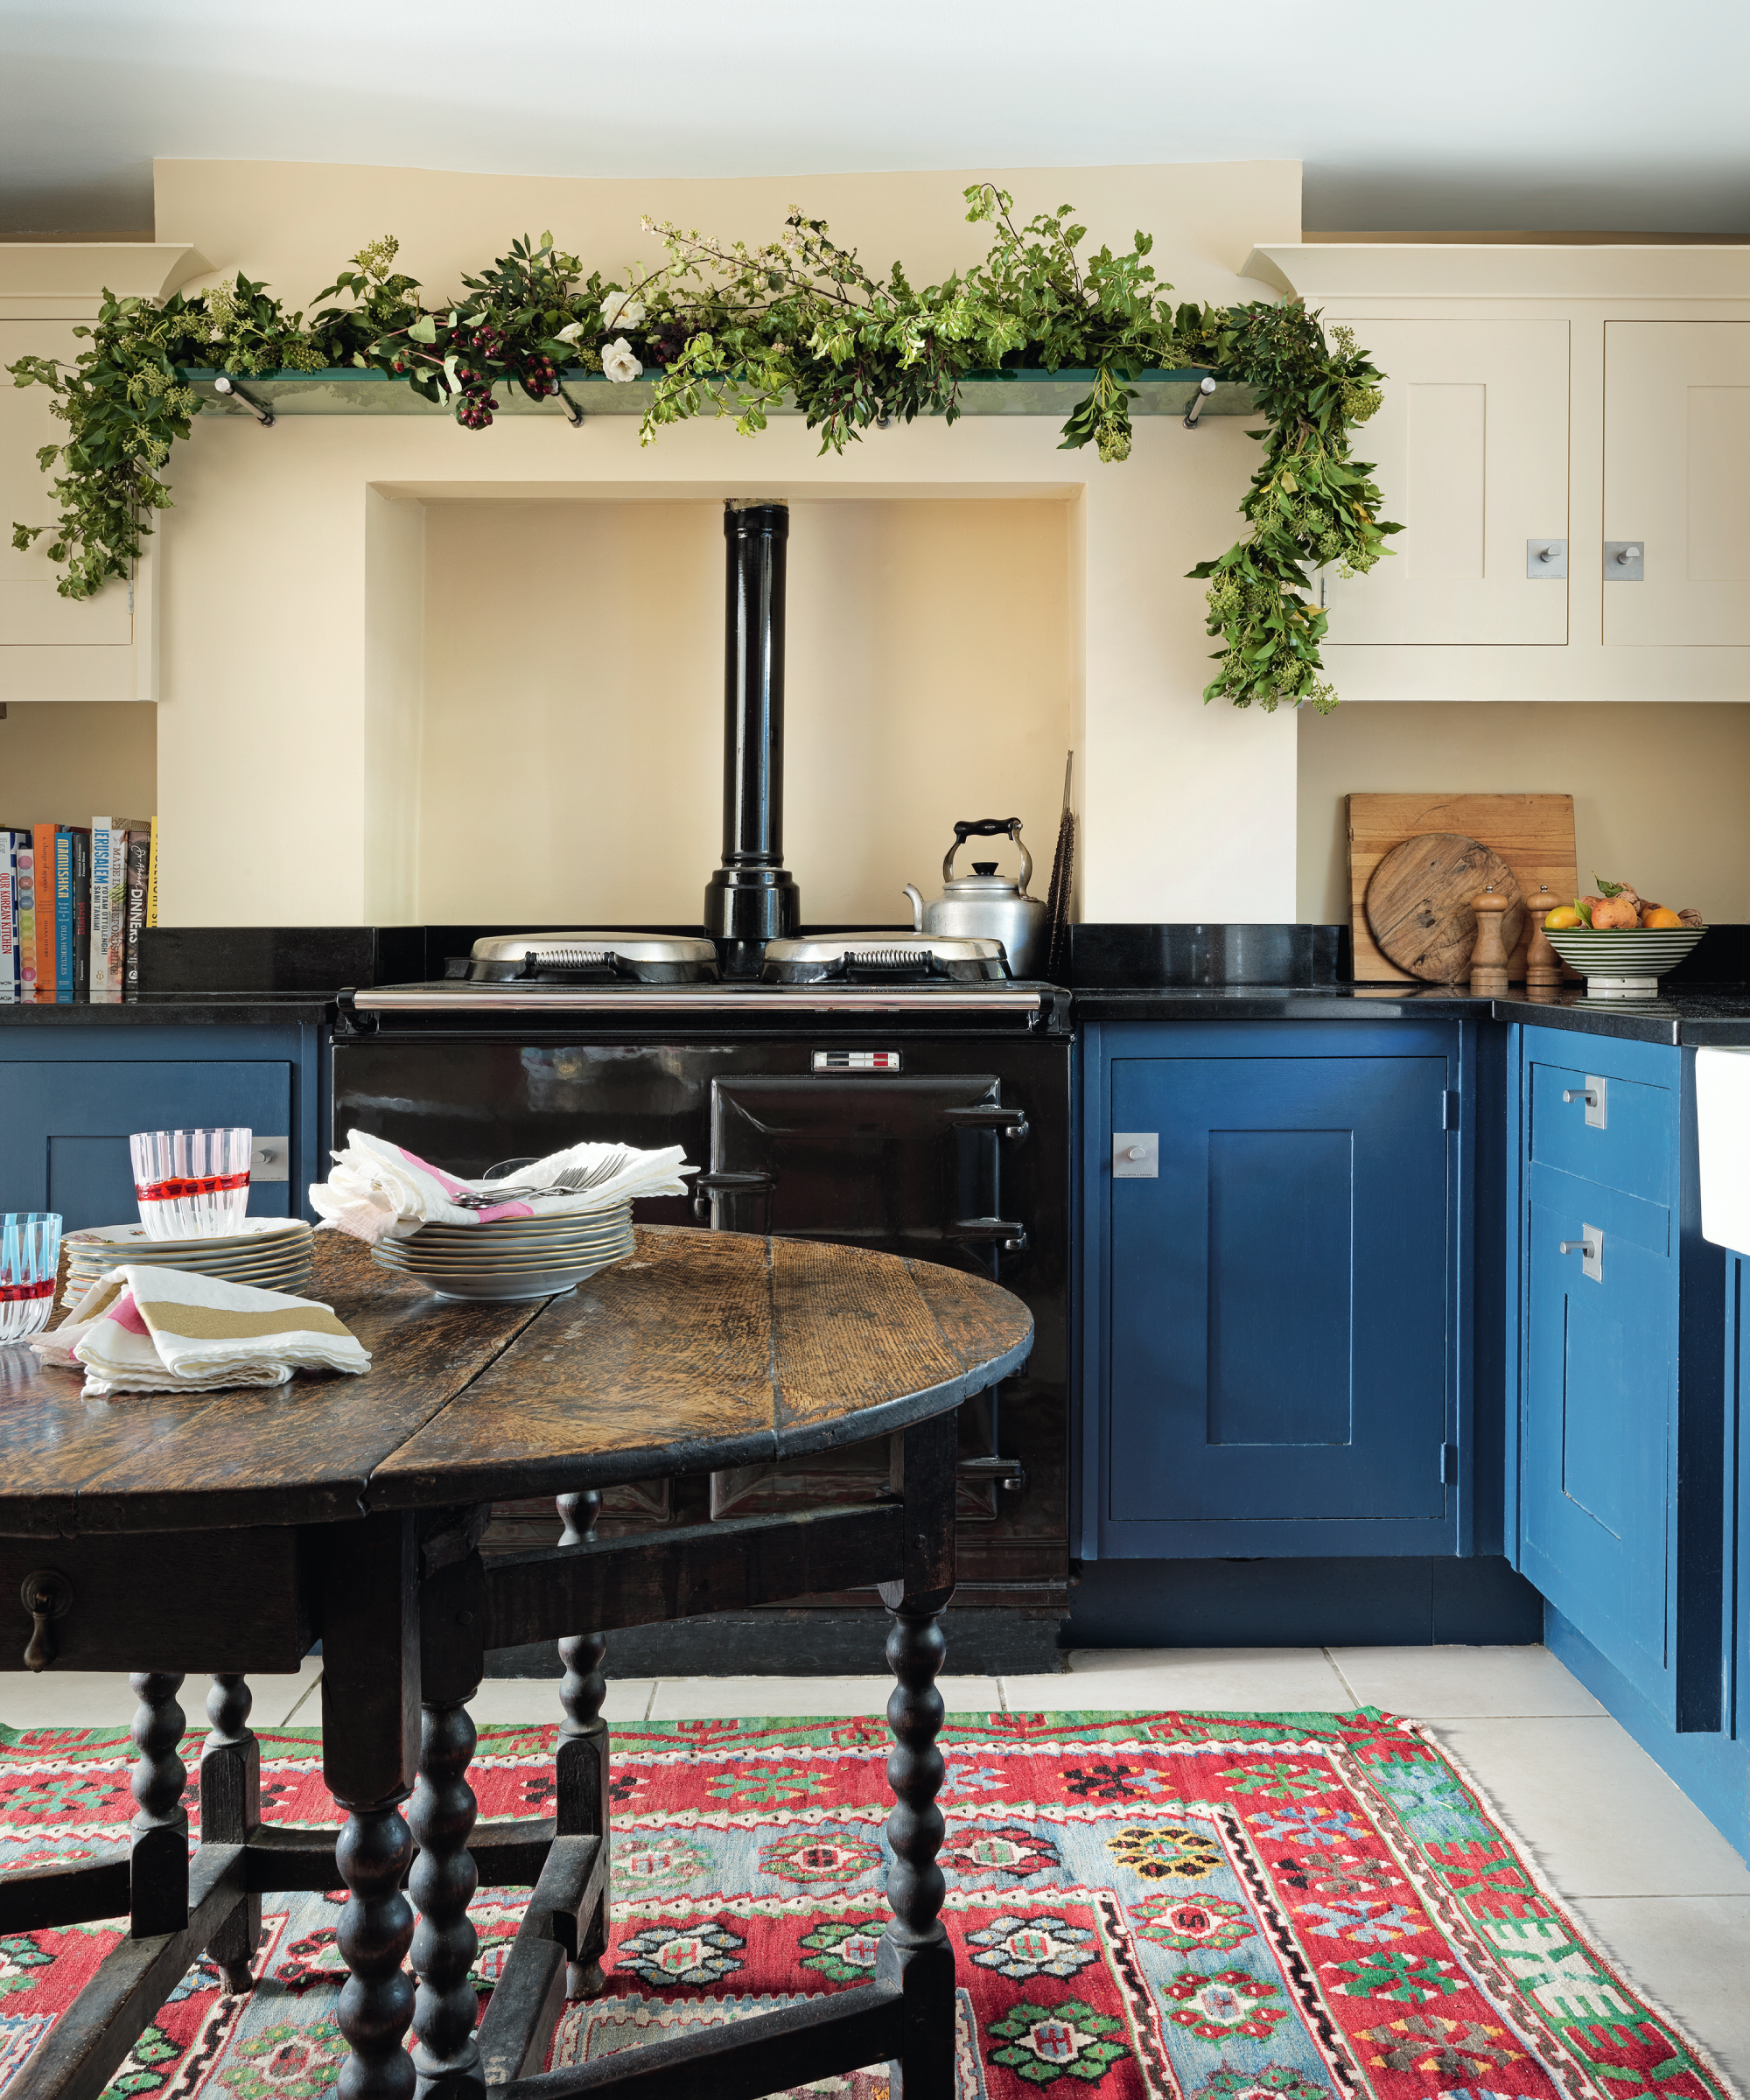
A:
(1659, 915)
(1564, 916)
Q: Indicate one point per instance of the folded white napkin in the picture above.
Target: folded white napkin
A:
(149, 1330)
(378, 1191)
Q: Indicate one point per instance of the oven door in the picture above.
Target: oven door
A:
(910, 1166)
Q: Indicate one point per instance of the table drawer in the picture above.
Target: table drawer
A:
(1624, 1138)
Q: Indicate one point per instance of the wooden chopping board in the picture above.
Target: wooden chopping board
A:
(1418, 903)
(1534, 834)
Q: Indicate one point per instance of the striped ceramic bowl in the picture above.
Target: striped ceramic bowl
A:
(1625, 965)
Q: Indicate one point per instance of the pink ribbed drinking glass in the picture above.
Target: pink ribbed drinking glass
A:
(30, 1253)
(192, 1184)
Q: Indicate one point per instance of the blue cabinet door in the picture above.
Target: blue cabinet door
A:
(63, 1128)
(1281, 1366)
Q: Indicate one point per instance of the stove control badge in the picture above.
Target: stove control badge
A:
(856, 1060)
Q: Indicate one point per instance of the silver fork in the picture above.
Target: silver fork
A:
(572, 1182)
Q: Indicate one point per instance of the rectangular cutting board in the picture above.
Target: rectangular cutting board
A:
(1534, 834)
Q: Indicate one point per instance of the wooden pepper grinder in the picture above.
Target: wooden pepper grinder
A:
(1543, 964)
(1488, 957)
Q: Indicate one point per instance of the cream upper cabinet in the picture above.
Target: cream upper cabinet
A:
(1471, 449)
(1677, 482)
(32, 613)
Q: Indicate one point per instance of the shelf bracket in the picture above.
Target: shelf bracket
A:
(227, 386)
(1206, 386)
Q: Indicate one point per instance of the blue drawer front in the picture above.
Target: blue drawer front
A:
(1279, 1331)
(64, 1126)
(1633, 1152)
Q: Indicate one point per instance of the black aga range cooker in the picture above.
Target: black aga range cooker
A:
(882, 1089)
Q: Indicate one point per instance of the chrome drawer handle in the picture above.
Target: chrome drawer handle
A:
(1577, 1246)
(1589, 1249)
(1596, 1096)
(1583, 1094)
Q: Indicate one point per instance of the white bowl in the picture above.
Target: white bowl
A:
(1626, 964)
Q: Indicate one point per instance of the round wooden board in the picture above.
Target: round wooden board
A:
(1418, 903)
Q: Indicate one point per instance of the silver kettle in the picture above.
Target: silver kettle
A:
(984, 903)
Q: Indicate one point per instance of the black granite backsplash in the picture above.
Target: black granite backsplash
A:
(278, 958)
(1119, 955)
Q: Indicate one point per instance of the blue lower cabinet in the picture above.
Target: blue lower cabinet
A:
(1621, 1444)
(1275, 1295)
(70, 1097)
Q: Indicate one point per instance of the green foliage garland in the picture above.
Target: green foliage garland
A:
(738, 330)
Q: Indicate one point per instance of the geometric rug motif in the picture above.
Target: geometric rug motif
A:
(1181, 1906)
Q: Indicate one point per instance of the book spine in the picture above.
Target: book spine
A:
(9, 923)
(81, 907)
(43, 847)
(25, 867)
(118, 905)
(62, 974)
(97, 965)
(152, 878)
(139, 862)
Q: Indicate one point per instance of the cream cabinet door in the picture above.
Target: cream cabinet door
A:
(1470, 448)
(32, 613)
(1676, 479)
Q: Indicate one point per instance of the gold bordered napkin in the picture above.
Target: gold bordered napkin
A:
(143, 1329)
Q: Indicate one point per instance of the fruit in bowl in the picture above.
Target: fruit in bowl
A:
(1620, 940)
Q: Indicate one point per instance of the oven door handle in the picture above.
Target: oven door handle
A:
(989, 1232)
(706, 1185)
(1007, 1122)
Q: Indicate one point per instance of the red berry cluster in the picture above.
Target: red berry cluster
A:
(539, 376)
(489, 341)
(474, 410)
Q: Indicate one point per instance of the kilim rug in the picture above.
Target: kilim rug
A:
(1278, 1907)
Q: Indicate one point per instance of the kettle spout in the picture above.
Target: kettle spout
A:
(912, 891)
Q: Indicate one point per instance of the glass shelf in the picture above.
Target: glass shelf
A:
(350, 392)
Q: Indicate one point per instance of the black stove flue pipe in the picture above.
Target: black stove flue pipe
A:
(751, 899)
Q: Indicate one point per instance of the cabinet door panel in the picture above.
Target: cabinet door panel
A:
(1278, 1294)
(1632, 1151)
(1599, 1401)
(1676, 479)
(1471, 452)
(32, 610)
(64, 1127)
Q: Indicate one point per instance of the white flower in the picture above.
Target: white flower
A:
(570, 333)
(621, 309)
(618, 363)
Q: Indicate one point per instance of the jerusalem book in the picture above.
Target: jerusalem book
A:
(120, 829)
(139, 860)
(97, 953)
(81, 907)
(61, 976)
(24, 866)
(43, 855)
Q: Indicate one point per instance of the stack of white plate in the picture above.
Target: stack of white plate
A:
(271, 1254)
(512, 1257)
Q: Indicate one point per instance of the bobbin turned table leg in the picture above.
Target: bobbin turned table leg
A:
(914, 1951)
(446, 2053)
(158, 1865)
(231, 1813)
(370, 1724)
(581, 1760)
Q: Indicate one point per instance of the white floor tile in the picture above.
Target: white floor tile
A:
(1690, 1954)
(517, 1701)
(94, 1699)
(713, 1699)
(1596, 1813)
(1247, 1680)
(1430, 1682)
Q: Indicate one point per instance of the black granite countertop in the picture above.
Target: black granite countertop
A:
(209, 1009)
(1696, 1014)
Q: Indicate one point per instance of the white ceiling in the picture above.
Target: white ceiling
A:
(1413, 114)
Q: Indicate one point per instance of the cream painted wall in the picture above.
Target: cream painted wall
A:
(1660, 788)
(292, 611)
(927, 678)
(62, 760)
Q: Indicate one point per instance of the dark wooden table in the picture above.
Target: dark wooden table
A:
(229, 1532)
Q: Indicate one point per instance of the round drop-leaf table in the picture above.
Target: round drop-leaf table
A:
(228, 1532)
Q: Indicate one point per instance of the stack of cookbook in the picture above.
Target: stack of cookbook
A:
(73, 898)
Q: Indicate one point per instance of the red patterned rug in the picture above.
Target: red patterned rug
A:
(1278, 1907)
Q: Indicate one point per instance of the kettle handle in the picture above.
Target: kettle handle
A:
(988, 827)
(917, 902)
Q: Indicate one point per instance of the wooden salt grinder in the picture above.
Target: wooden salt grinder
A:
(1543, 964)
(1488, 957)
